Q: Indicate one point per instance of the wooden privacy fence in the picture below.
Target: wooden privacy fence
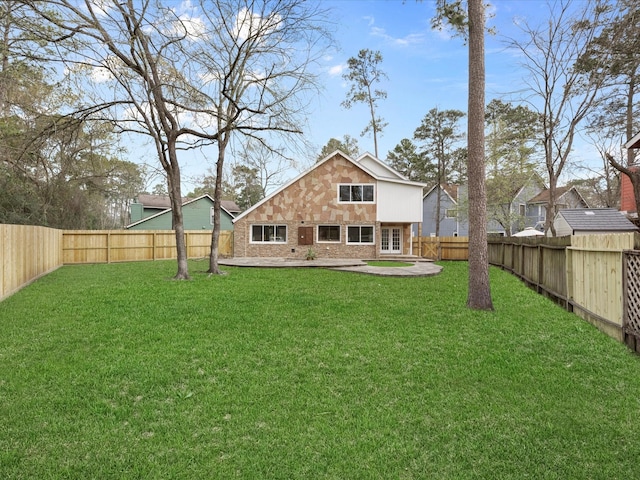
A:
(110, 246)
(442, 248)
(582, 273)
(26, 253)
(540, 262)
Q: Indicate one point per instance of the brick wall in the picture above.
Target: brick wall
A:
(627, 199)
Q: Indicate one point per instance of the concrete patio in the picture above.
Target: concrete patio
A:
(419, 267)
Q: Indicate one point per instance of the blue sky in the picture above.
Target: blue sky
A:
(425, 68)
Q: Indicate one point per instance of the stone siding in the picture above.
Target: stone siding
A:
(311, 201)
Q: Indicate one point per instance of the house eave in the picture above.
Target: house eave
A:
(634, 142)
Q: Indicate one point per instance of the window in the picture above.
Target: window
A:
(523, 210)
(355, 193)
(360, 234)
(450, 213)
(269, 233)
(328, 233)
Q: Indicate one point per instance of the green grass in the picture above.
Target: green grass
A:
(115, 371)
(388, 263)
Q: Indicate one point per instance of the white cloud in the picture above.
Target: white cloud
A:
(337, 70)
(100, 7)
(100, 75)
(248, 23)
(193, 27)
(406, 41)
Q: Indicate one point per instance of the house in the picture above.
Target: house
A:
(587, 221)
(155, 213)
(627, 195)
(452, 222)
(526, 208)
(566, 198)
(339, 208)
(515, 212)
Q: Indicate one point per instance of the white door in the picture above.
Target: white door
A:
(391, 240)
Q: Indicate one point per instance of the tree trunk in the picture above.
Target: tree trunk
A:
(175, 194)
(551, 206)
(479, 296)
(214, 268)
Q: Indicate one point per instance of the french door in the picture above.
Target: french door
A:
(391, 240)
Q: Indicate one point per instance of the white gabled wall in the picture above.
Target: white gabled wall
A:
(379, 168)
(399, 202)
(562, 227)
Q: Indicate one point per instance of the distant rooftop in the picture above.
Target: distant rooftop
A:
(597, 219)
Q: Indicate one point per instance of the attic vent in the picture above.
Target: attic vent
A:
(589, 213)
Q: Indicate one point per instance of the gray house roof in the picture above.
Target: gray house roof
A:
(596, 219)
(163, 202)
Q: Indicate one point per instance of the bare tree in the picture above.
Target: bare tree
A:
(270, 166)
(615, 120)
(562, 93)
(194, 77)
(258, 56)
(131, 49)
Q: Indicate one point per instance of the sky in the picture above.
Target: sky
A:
(426, 68)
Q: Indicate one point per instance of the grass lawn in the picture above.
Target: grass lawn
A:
(115, 371)
(388, 263)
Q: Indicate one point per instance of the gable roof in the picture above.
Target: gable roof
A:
(450, 189)
(534, 178)
(543, 196)
(378, 170)
(164, 202)
(156, 201)
(189, 201)
(596, 219)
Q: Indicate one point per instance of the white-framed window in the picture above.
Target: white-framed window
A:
(450, 213)
(360, 234)
(356, 193)
(328, 233)
(523, 210)
(268, 234)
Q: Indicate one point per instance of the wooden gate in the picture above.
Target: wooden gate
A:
(631, 299)
(225, 243)
(430, 248)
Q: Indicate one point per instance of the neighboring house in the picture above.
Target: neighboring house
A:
(566, 198)
(527, 209)
(339, 208)
(587, 221)
(197, 214)
(452, 222)
(516, 214)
